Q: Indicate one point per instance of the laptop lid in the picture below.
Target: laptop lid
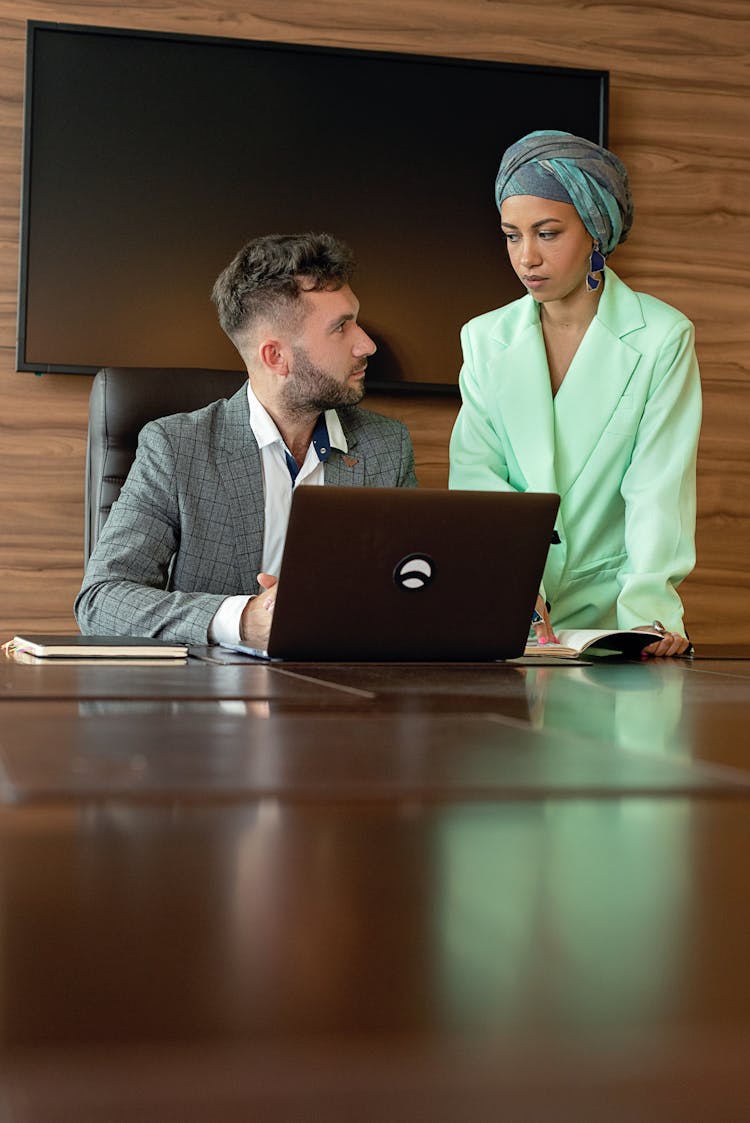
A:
(397, 574)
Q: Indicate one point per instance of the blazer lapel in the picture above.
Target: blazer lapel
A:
(597, 379)
(525, 397)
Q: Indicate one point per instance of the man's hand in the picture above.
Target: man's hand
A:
(255, 622)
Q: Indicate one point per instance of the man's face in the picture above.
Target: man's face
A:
(329, 354)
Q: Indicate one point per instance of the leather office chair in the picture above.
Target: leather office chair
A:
(122, 400)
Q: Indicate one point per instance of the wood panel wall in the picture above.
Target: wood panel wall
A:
(679, 113)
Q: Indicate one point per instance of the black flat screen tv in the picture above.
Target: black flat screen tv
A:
(150, 158)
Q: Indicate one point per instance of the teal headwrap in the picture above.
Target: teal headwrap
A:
(571, 169)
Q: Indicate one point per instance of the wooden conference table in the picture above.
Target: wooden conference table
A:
(231, 891)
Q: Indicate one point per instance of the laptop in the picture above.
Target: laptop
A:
(409, 574)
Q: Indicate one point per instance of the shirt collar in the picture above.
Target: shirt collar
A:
(327, 434)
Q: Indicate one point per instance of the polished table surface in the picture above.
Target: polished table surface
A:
(376, 891)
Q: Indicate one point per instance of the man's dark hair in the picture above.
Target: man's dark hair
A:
(270, 274)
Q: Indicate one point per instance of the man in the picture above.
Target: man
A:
(201, 520)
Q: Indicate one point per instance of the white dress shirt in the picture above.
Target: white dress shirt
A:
(278, 487)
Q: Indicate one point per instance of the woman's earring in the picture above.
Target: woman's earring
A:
(596, 264)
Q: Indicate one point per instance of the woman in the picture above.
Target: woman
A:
(589, 389)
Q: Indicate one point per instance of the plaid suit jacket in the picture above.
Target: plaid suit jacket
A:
(187, 529)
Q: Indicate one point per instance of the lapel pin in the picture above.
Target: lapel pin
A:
(350, 461)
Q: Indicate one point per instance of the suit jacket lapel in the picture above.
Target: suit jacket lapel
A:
(345, 469)
(242, 476)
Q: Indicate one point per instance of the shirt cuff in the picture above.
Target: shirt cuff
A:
(225, 625)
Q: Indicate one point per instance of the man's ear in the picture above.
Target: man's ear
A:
(272, 354)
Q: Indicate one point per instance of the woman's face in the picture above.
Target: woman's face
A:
(548, 246)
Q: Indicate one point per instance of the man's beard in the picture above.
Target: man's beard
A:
(310, 389)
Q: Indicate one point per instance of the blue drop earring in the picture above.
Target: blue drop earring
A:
(596, 264)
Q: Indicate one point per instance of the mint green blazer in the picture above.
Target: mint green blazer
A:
(618, 443)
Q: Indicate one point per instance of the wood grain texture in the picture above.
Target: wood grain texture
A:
(679, 107)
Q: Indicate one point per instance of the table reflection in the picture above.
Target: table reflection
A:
(567, 914)
(635, 705)
(138, 922)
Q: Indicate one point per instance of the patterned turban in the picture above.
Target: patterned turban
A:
(571, 169)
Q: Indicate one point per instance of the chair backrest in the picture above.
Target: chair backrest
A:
(122, 400)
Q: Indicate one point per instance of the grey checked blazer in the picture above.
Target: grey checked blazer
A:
(187, 529)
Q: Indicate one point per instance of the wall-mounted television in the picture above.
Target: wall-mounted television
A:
(150, 158)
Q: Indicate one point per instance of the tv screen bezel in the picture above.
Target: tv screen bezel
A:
(24, 364)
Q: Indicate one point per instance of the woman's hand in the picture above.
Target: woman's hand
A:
(541, 624)
(671, 643)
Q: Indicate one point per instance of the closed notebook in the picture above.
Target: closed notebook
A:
(95, 647)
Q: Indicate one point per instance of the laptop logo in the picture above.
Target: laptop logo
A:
(415, 571)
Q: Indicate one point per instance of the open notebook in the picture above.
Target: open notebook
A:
(574, 642)
(395, 574)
